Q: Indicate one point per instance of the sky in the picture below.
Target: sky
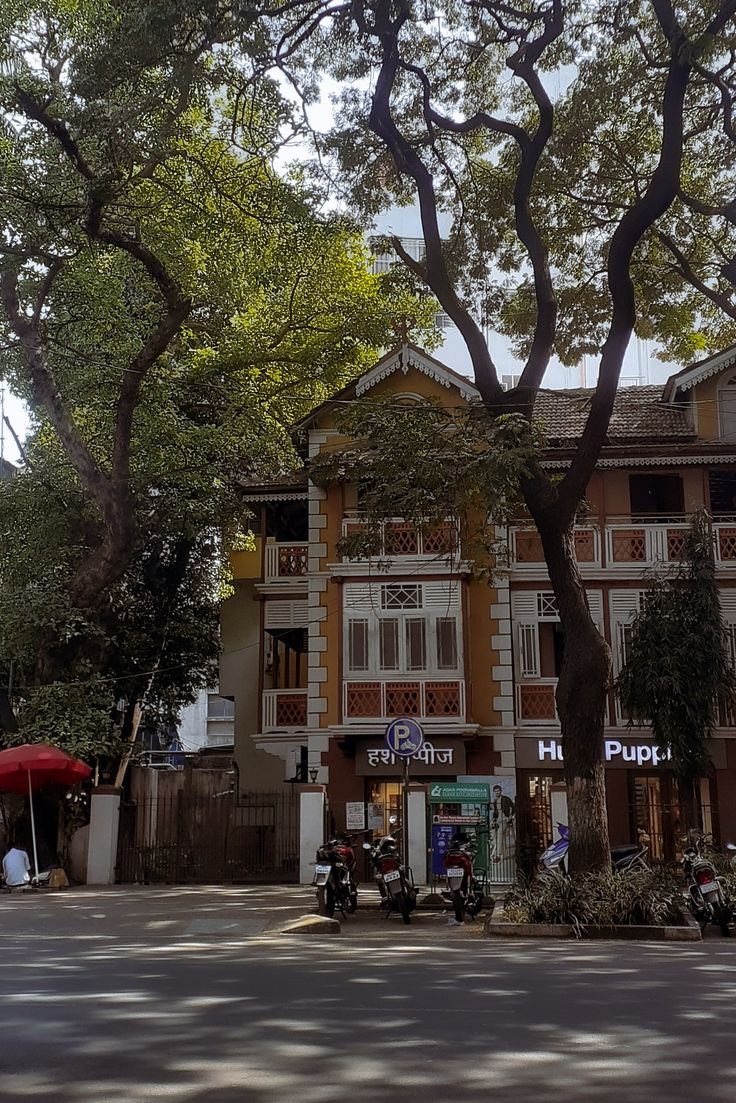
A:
(17, 415)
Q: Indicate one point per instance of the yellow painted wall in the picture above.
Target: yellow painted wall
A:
(247, 564)
(693, 488)
(705, 401)
(240, 630)
(481, 688)
(616, 493)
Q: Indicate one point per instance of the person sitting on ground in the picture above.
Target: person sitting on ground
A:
(16, 868)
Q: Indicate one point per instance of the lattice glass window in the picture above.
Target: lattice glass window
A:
(416, 643)
(389, 643)
(358, 644)
(399, 595)
(547, 606)
(446, 628)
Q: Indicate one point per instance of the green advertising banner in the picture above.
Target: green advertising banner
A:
(459, 793)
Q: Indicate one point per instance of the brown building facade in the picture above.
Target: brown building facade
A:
(320, 652)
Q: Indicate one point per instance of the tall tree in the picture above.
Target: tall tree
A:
(679, 673)
(557, 136)
(171, 305)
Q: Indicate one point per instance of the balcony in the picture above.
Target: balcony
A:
(535, 702)
(725, 540)
(286, 563)
(284, 708)
(401, 539)
(433, 699)
(628, 543)
(527, 554)
(631, 543)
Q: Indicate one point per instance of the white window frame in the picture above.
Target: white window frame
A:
(429, 610)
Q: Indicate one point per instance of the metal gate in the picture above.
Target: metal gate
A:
(183, 837)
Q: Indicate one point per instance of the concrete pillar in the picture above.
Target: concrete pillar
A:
(558, 802)
(416, 820)
(311, 829)
(103, 835)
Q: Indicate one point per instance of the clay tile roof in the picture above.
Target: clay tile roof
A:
(292, 483)
(639, 414)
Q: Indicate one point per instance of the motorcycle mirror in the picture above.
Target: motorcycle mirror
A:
(393, 819)
(367, 846)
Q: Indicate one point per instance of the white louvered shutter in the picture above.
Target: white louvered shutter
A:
(286, 614)
(528, 650)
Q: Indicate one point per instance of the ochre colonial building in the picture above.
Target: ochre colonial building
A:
(319, 652)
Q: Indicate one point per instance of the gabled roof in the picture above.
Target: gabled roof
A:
(286, 487)
(400, 359)
(694, 373)
(639, 414)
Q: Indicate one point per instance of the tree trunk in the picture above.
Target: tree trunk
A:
(135, 716)
(582, 694)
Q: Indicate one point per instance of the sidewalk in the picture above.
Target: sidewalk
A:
(195, 912)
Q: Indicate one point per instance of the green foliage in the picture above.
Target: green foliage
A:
(678, 671)
(603, 899)
(426, 463)
(68, 667)
(145, 114)
(605, 75)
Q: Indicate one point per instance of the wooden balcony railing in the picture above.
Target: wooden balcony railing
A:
(405, 697)
(535, 701)
(629, 542)
(284, 708)
(286, 562)
(399, 538)
(526, 546)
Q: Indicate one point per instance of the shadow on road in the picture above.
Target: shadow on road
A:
(398, 1014)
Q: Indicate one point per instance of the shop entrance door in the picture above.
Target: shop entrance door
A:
(656, 815)
(535, 826)
(384, 801)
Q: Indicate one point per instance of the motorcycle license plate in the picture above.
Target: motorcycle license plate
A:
(393, 876)
(455, 871)
(710, 886)
(323, 869)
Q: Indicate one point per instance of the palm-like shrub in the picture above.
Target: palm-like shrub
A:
(606, 899)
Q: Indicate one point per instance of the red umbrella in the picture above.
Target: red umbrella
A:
(33, 765)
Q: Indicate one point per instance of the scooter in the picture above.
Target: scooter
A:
(395, 883)
(707, 891)
(622, 857)
(333, 877)
(464, 891)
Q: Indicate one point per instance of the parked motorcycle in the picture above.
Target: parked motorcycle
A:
(463, 888)
(707, 891)
(333, 876)
(622, 857)
(395, 882)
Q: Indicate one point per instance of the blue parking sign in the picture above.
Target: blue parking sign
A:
(404, 737)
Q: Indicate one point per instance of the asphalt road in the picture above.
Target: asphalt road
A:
(188, 997)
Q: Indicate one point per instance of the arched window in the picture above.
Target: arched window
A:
(727, 408)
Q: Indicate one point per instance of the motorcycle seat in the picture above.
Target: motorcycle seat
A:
(619, 852)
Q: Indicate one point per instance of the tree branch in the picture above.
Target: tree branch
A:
(410, 164)
(638, 220)
(688, 273)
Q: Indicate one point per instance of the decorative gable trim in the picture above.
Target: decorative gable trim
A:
(690, 377)
(407, 357)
